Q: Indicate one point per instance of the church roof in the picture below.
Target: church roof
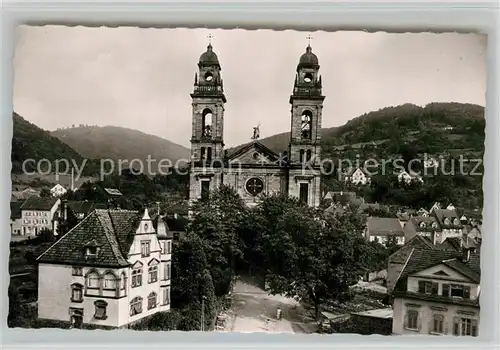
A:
(308, 59)
(209, 57)
(254, 144)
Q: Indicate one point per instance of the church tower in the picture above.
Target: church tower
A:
(207, 142)
(306, 113)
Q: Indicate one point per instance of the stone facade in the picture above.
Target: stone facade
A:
(253, 169)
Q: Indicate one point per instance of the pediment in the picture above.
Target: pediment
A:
(254, 153)
(153, 262)
(440, 273)
(137, 265)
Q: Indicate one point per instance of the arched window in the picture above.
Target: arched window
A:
(306, 124)
(93, 280)
(202, 157)
(207, 122)
(301, 156)
(109, 281)
(76, 292)
(135, 306)
(151, 300)
(308, 155)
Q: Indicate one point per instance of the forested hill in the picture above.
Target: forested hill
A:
(31, 142)
(112, 142)
(441, 130)
(446, 125)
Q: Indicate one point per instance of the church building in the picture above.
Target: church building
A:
(253, 169)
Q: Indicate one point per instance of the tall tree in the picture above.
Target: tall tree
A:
(315, 257)
(217, 222)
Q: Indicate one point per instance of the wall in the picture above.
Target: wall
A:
(426, 310)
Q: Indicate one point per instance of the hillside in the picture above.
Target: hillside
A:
(31, 142)
(111, 142)
(408, 131)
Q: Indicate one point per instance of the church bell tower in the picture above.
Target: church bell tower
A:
(207, 141)
(306, 114)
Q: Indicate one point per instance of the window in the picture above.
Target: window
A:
(93, 280)
(91, 251)
(412, 319)
(306, 124)
(438, 324)
(304, 193)
(153, 273)
(100, 309)
(145, 248)
(301, 156)
(77, 271)
(136, 306)
(202, 157)
(464, 326)
(427, 287)
(309, 156)
(207, 123)
(136, 278)
(109, 281)
(205, 189)
(152, 301)
(169, 247)
(166, 275)
(123, 281)
(254, 186)
(77, 293)
(209, 153)
(166, 296)
(456, 291)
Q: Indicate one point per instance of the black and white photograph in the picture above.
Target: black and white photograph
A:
(251, 181)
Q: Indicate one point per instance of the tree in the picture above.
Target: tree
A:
(45, 192)
(217, 222)
(312, 256)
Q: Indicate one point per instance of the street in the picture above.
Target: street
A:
(253, 310)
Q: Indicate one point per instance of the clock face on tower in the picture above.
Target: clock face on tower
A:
(254, 186)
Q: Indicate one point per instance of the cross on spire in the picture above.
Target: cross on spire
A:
(309, 38)
(210, 37)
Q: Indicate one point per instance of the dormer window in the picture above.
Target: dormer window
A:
(434, 225)
(456, 222)
(446, 221)
(91, 251)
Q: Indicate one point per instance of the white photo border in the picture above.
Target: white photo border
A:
(448, 16)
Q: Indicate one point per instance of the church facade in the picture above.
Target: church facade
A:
(253, 169)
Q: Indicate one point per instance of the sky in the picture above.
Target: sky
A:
(142, 78)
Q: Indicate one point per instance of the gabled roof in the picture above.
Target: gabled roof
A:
(84, 207)
(39, 203)
(442, 214)
(457, 243)
(427, 220)
(422, 259)
(273, 156)
(112, 231)
(113, 191)
(384, 227)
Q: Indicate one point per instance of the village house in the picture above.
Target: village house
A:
(449, 223)
(112, 269)
(15, 218)
(357, 176)
(426, 226)
(407, 178)
(37, 214)
(382, 229)
(437, 293)
(58, 190)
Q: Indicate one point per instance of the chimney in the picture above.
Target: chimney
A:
(465, 255)
(434, 237)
